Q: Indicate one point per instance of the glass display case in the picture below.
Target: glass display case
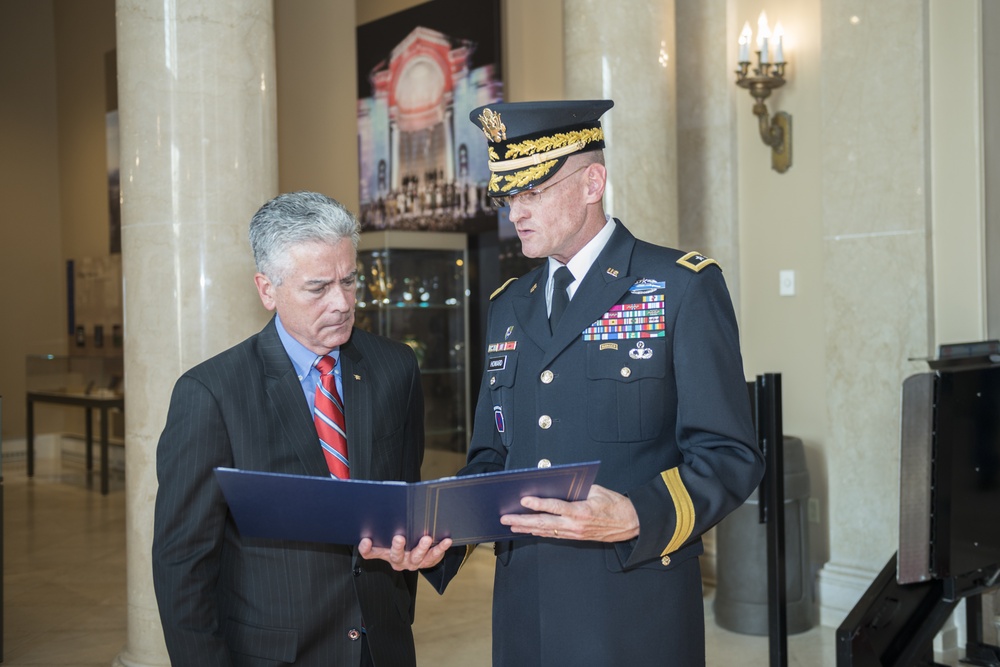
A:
(413, 287)
(75, 375)
(95, 384)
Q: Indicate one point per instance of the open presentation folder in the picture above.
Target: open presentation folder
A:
(466, 509)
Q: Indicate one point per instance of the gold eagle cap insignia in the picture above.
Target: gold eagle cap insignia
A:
(493, 127)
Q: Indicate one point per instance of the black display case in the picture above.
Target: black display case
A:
(414, 287)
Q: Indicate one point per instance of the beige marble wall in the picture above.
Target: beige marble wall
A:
(318, 118)
(627, 54)
(780, 228)
(876, 267)
(30, 234)
(198, 157)
(532, 52)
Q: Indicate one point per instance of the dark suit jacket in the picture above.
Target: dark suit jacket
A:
(667, 416)
(225, 599)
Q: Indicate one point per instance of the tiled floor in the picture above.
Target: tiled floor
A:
(64, 568)
(64, 584)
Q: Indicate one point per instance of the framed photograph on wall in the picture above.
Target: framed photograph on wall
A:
(423, 164)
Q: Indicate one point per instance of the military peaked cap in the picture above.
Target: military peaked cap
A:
(529, 141)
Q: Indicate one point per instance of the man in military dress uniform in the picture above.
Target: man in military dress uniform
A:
(630, 358)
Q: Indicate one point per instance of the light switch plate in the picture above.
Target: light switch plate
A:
(786, 282)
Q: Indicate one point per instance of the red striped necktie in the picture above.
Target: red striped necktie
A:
(328, 414)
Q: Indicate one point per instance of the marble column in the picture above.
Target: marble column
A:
(627, 54)
(877, 271)
(196, 81)
(706, 124)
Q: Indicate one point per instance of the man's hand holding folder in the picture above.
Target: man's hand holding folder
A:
(426, 554)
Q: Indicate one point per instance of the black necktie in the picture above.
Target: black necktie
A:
(560, 297)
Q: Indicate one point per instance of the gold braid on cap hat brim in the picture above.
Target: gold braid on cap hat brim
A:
(520, 178)
(558, 140)
(538, 158)
(531, 152)
(532, 159)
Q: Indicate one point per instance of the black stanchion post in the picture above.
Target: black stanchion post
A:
(770, 435)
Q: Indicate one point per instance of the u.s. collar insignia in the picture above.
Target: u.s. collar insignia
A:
(493, 127)
(640, 351)
(532, 288)
(612, 272)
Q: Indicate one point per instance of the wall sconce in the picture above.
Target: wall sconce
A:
(776, 132)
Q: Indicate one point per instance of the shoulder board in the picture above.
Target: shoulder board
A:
(696, 261)
(500, 289)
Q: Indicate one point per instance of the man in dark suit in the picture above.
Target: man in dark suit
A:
(632, 359)
(225, 599)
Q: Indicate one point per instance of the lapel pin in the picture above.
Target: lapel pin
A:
(357, 377)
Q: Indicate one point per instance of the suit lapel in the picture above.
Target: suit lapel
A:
(529, 306)
(605, 284)
(289, 405)
(357, 384)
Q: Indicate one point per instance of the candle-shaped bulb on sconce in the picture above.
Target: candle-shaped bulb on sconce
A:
(779, 37)
(745, 36)
(763, 33)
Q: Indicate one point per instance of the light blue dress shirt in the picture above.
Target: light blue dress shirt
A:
(304, 362)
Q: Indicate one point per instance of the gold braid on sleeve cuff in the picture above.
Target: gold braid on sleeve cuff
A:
(469, 548)
(683, 508)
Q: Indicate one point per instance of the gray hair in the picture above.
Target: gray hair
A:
(590, 157)
(294, 218)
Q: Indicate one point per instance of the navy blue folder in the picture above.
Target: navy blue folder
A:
(466, 509)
